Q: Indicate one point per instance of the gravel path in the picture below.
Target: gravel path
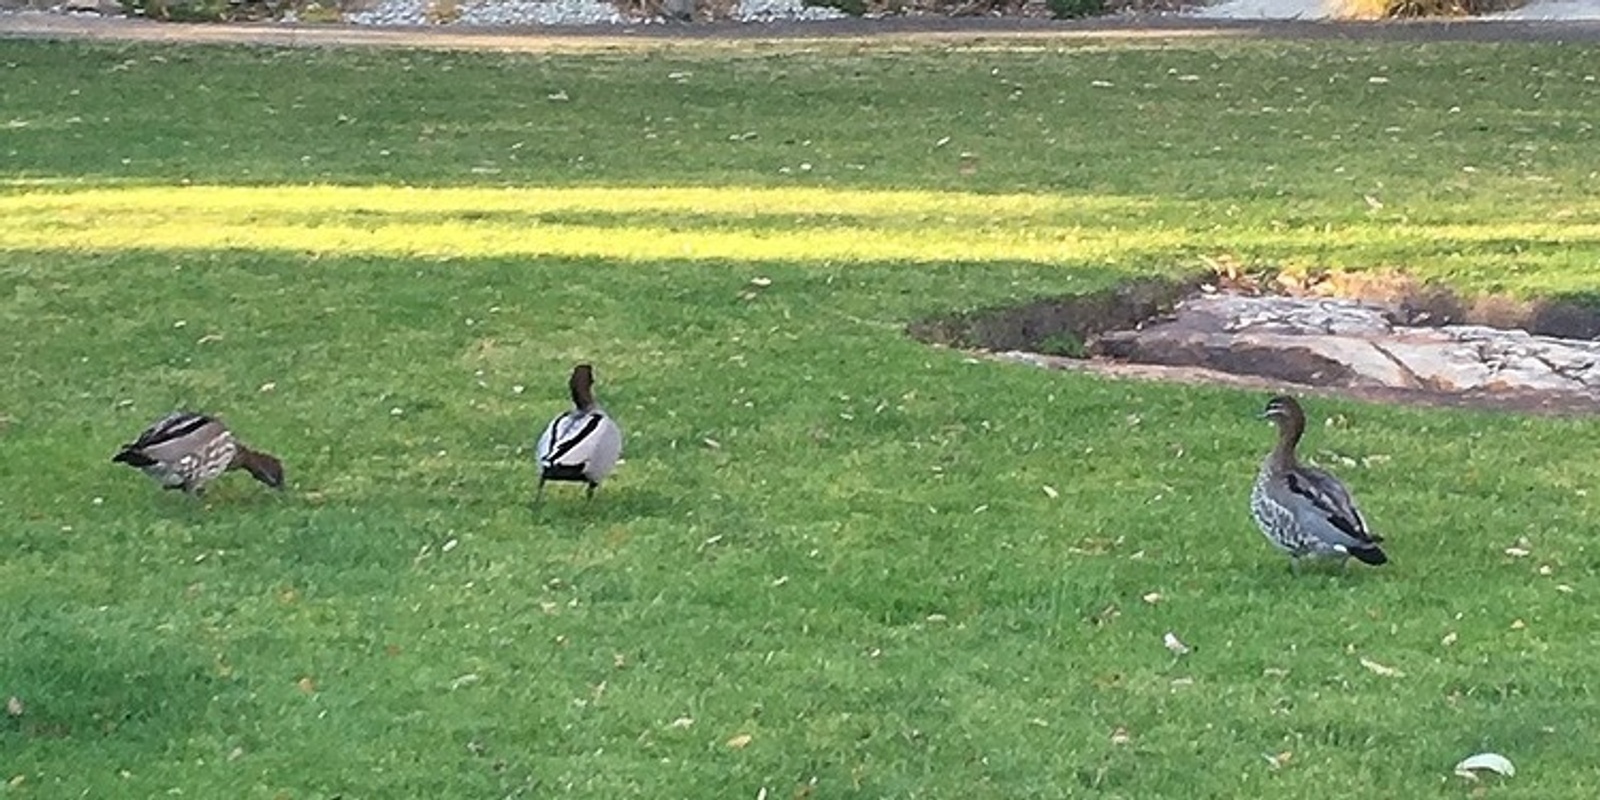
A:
(59, 26)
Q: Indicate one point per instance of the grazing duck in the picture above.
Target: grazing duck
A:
(1303, 510)
(581, 445)
(184, 450)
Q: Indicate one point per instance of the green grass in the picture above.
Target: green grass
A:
(380, 266)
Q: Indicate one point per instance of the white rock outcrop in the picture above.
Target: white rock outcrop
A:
(1337, 342)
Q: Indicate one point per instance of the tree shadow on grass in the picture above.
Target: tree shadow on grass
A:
(611, 503)
(72, 685)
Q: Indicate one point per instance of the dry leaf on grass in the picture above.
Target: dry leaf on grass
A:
(741, 741)
(1174, 644)
(14, 706)
(1381, 669)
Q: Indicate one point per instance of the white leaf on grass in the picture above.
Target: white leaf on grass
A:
(1381, 669)
(1050, 492)
(1174, 644)
(1493, 762)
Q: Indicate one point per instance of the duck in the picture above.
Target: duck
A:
(186, 451)
(581, 445)
(1305, 511)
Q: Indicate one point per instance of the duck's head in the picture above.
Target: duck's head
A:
(582, 385)
(263, 467)
(1285, 412)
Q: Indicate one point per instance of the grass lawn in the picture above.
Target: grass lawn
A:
(836, 563)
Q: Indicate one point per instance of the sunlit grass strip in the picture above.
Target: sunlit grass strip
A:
(641, 243)
(708, 224)
(729, 200)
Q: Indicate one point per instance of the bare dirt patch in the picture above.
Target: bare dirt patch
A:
(1376, 336)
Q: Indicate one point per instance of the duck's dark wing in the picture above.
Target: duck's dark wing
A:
(173, 426)
(1322, 494)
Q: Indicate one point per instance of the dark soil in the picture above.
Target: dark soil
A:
(1067, 326)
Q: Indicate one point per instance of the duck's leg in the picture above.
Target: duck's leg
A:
(1294, 565)
(589, 493)
(538, 496)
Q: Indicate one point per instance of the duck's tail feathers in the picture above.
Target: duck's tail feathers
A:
(1369, 555)
(562, 472)
(133, 458)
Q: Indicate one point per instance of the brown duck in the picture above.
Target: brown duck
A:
(1303, 510)
(185, 450)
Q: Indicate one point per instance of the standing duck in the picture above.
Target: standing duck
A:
(580, 445)
(1303, 510)
(185, 450)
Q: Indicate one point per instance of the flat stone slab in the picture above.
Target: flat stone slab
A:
(1350, 344)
